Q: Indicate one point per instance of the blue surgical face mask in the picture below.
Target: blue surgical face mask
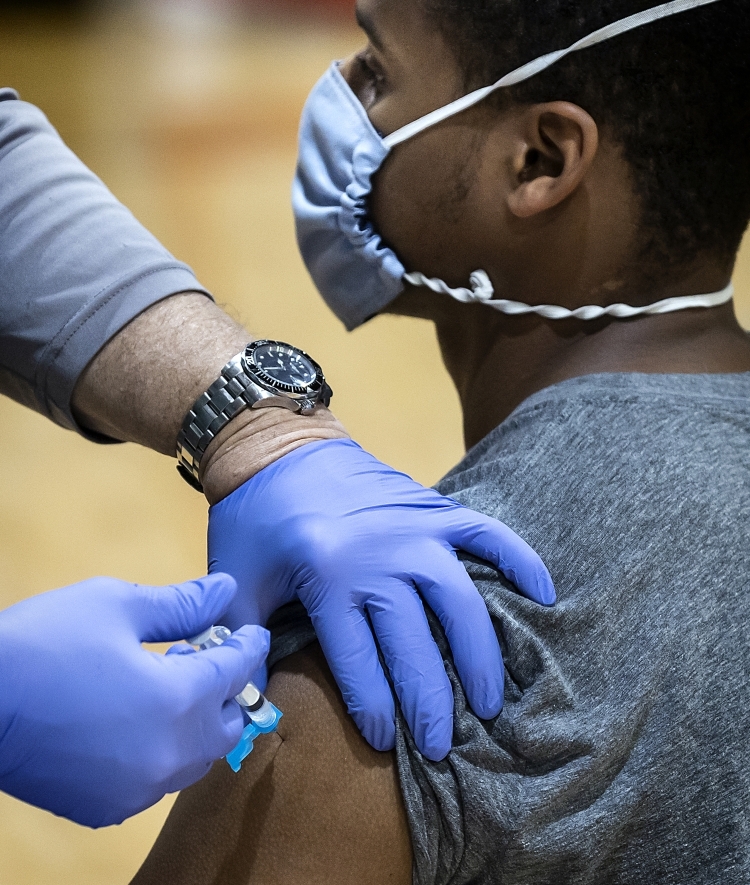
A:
(340, 152)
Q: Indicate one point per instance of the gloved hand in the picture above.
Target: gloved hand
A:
(95, 728)
(358, 544)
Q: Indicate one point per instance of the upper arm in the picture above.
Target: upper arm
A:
(312, 804)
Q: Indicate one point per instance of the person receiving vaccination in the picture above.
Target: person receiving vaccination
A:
(107, 334)
(561, 188)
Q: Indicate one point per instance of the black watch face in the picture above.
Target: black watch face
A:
(286, 367)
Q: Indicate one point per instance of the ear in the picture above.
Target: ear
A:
(555, 149)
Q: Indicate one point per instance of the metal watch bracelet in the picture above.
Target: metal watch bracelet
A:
(232, 392)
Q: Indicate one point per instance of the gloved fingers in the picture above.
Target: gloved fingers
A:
(182, 648)
(415, 666)
(493, 541)
(224, 671)
(348, 645)
(191, 774)
(216, 734)
(459, 607)
(179, 611)
(225, 736)
(211, 681)
(231, 721)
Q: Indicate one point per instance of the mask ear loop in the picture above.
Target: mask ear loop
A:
(482, 290)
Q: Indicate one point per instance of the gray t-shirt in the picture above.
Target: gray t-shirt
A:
(75, 265)
(622, 754)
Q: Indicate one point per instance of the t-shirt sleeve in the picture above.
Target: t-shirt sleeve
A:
(75, 265)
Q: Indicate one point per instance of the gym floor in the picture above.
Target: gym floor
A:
(191, 120)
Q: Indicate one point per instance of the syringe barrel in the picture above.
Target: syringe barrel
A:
(264, 717)
(256, 705)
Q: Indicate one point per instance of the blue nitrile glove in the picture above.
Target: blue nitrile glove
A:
(358, 544)
(95, 728)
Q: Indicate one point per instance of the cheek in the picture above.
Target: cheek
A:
(421, 202)
(393, 207)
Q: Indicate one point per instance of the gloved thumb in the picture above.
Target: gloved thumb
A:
(179, 611)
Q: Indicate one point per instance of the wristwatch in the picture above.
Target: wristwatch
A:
(265, 374)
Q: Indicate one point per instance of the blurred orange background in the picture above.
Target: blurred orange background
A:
(188, 110)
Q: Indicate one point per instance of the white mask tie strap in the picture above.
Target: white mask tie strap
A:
(525, 72)
(481, 292)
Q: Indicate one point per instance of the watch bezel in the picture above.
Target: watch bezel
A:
(271, 384)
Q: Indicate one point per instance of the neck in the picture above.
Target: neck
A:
(496, 362)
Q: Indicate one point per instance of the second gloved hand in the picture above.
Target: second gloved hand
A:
(95, 728)
(359, 543)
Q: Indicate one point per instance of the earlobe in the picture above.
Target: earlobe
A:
(557, 145)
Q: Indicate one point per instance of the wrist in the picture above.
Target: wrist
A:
(254, 439)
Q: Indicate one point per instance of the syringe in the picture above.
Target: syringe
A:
(263, 715)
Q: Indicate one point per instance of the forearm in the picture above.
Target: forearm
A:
(141, 385)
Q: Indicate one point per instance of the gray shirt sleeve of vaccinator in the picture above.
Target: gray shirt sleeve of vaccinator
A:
(75, 265)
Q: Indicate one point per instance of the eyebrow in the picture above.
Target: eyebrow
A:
(369, 27)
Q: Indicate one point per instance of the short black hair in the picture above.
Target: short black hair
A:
(675, 94)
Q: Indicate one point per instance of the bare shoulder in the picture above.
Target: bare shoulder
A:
(313, 804)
